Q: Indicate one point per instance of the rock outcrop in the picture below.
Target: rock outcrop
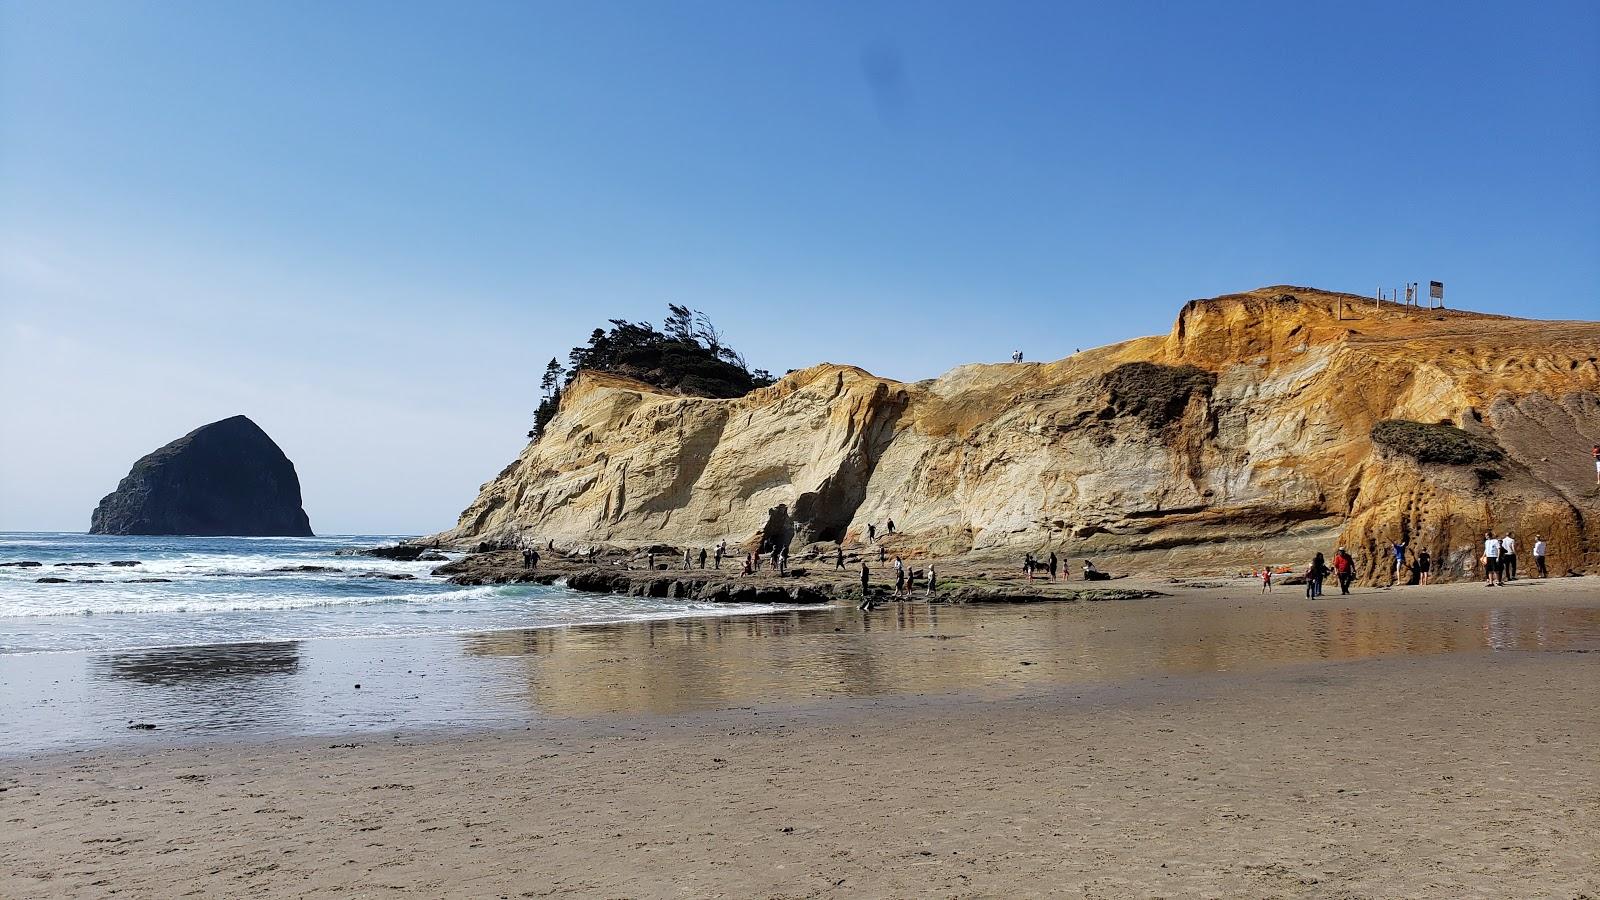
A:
(226, 478)
(1245, 435)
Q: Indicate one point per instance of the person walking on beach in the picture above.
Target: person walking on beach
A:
(933, 580)
(1314, 576)
(1052, 567)
(1342, 569)
(1539, 550)
(899, 576)
(1027, 565)
(1508, 557)
(1491, 561)
(838, 556)
(1266, 579)
(866, 577)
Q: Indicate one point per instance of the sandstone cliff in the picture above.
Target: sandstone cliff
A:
(225, 478)
(1242, 436)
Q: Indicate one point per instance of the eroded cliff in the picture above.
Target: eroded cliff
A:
(1242, 436)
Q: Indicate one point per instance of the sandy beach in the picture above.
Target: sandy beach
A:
(1436, 742)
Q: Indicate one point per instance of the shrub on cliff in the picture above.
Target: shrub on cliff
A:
(1154, 393)
(687, 355)
(1434, 443)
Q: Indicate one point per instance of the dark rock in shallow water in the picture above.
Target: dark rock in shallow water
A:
(149, 580)
(403, 552)
(25, 564)
(123, 562)
(50, 581)
(433, 556)
(306, 569)
(226, 478)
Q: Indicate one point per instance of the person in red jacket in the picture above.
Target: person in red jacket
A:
(1344, 567)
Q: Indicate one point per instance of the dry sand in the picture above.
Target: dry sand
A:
(1455, 774)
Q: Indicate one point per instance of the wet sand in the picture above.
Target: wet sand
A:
(1436, 742)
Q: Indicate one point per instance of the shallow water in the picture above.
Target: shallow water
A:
(230, 590)
(520, 678)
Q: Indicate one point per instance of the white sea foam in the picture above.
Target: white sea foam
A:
(225, 590)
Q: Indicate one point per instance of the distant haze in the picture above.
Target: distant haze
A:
(368, 226)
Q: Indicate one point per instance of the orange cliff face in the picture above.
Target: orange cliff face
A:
(1242, 437)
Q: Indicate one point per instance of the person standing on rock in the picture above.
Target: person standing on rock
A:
(866, 578)
(891, 526)
(530, 559)
(838, 556)
(650, 560)
(687, 563)
(721, 549)
(933, 580)
(1508, 557)
(1027, 565)
(702, 557)
(1539, 550)
(1491, 561)
(882, 553)
(899, 576)
(783, 562)
(1399, 550)
(749, 564)
(872, 532)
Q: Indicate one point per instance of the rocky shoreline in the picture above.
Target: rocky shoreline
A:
(813, 582)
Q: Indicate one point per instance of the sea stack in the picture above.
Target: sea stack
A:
(226, 478)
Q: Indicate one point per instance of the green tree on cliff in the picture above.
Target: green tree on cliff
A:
(688, 355)
(549, 398)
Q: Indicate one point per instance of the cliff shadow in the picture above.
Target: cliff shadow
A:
(825, 514)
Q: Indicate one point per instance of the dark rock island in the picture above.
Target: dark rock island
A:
(226, 478)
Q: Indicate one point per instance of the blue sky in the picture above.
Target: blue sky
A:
(368, 225)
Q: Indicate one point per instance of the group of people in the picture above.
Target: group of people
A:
(1049, 567)
(1500, 557)
(1343, 568)
(904, 581)
(1499, 561)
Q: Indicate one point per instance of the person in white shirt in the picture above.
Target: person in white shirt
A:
(1539, 550)
(1508, 557)
(1491, 561)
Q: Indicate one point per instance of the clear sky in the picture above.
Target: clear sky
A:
(368, 225)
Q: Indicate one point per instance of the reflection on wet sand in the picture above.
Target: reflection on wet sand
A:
(521, 678)
(189, 665)
(678, 665)
(222, 686)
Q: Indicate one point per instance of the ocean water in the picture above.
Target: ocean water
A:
(239, 590)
